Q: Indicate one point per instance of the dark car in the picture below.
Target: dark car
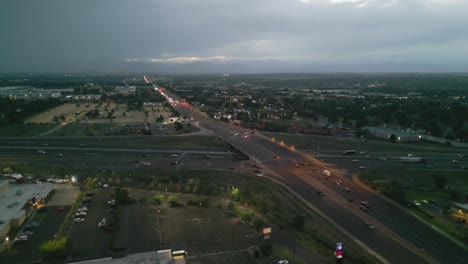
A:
(320, 193)
(43, 209)
(461, 220)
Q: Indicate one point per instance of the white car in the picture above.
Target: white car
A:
(83, 209)
(105, 186)
(78, 220)
(111, 201)
(21, 238)
(82, 213)
(283, 261)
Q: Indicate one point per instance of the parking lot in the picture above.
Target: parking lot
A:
(88, 240)
(202, 231)
(44, 226)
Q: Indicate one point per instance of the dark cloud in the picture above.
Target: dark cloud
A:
(76, 35)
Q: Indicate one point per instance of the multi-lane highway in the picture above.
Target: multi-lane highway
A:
(399, 237)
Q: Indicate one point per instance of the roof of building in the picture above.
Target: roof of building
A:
(14, 196)
(160, 257)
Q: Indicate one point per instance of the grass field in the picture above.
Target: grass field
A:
(24, 130)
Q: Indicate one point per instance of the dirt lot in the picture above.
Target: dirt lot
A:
(73, 111)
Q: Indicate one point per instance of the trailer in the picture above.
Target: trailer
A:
(411, 160)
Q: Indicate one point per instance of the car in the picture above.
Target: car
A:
(35, 224)
(362, 207)
(174, 163)
(365, 204)
(416, 202)
(464, 167)
(27, 233)
(347, 189)
(371, 226)
(105, 185)
(21, 238)
(382, 158)
(60, 155)
(174, 155)
(362, 168)
(461, 220)
(320, 193)
(424, 201)
(355, 160)
(297, 165)
(111, 201)
(60, 209)
(411, 155)
(455, 161)
(145, 155)
(41, 152)
(102, 223)
(337, 182)
(277, 157)
(85, 153)
(207, 156)
(461, 155)
(78, 220)
(83, 213)
(283, 261)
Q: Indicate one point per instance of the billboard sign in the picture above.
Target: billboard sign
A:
(339, 250)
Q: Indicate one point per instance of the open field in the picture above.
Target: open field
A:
(120, 114)
(24, 130)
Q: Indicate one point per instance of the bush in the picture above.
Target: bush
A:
(54, 249)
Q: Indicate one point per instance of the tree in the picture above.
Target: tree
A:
(440, 181)
(454, 196)
(298, 222)
(178, 126)
(54, 249)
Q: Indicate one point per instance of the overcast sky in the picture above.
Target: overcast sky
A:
(54, 35)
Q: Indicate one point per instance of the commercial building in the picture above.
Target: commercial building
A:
(386, 133)
(16, 203)
(161, 257)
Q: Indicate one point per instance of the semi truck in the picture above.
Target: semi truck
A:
(411, 159)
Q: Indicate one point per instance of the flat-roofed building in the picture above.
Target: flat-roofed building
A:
(161, 257)
(16, 203)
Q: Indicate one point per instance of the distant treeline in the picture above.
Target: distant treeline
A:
(15, 111)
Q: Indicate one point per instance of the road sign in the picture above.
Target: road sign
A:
(339, 247)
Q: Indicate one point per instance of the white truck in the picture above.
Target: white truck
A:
(327, 172)
(411, 159)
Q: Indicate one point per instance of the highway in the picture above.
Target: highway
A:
(398, 237)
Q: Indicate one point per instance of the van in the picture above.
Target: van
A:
(102, 223)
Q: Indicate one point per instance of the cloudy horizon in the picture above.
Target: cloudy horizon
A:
(107, 35)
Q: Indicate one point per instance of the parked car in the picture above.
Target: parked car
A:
(461, 220)
(21, 238)
(60, 209)
(78, 220)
